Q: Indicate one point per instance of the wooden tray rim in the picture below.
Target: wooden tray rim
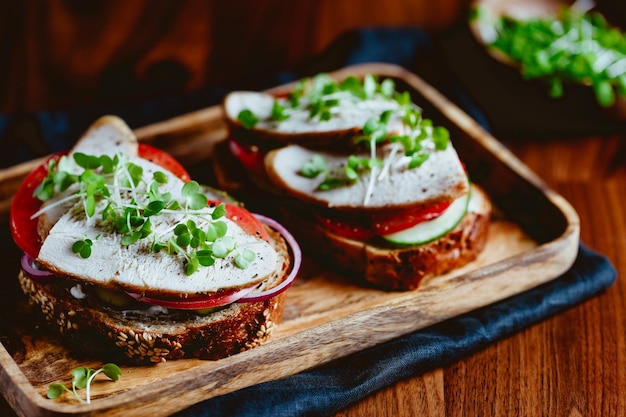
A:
(20, 392)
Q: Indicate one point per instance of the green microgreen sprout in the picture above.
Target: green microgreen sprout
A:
(279, 112)
(194, 199)
(317, 165)
(320, 95)
(82, 378)
(244, 258)
(199, 247)
(83, 247)
(314, 167)
(223, 246)
(102, 183)
(58, 179)
(247, 119)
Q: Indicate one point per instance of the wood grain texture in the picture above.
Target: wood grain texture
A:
(569, 365)
(516, 258)
(72, 53)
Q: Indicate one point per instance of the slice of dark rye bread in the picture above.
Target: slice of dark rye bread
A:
(90, 325)
(377, 262)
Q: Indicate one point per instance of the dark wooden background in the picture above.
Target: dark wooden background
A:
(64, 53)
(70, 53)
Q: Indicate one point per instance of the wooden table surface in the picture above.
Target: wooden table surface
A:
(573, 364)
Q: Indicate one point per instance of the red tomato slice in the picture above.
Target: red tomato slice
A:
(347, 228)
(246, 220)
(24, 205)
(386, 224)
(250, 156)
(357, 227)
(164, 160)
(194, 303)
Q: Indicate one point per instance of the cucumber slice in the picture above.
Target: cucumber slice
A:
(432, 229)
(209, 310)
(113, 297)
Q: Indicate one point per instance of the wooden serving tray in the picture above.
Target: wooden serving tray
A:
(534, 237)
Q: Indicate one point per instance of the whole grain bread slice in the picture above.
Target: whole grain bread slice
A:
(398, 268)
(139, 336)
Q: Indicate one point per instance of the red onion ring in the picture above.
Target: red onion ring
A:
(194, 303)
(296, 253)
(29, 267)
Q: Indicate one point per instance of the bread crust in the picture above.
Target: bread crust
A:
(313, 140)
(90, 326)
(398, 268)
(119, 137)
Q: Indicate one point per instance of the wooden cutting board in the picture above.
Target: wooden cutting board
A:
(533, 238)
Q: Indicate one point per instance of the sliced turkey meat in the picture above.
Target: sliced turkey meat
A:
(440, 178)
(136, 267)
(107, 136)
(347, 118)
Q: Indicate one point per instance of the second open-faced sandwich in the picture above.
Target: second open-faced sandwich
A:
(125, 253)
(363, 178)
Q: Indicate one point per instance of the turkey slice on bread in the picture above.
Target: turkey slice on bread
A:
(136, 267)
(107, 136)
(355, 161)
(295, 125)
(440, 178)
(126, 244)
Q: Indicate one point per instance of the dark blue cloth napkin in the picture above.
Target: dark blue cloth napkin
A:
(330, 387)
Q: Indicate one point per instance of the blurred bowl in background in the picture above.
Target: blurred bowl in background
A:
(484, 22)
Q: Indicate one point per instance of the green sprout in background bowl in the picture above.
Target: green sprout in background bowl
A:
(573, 46)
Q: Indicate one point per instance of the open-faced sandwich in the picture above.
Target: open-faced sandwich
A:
(124, 252)
(361, 176)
